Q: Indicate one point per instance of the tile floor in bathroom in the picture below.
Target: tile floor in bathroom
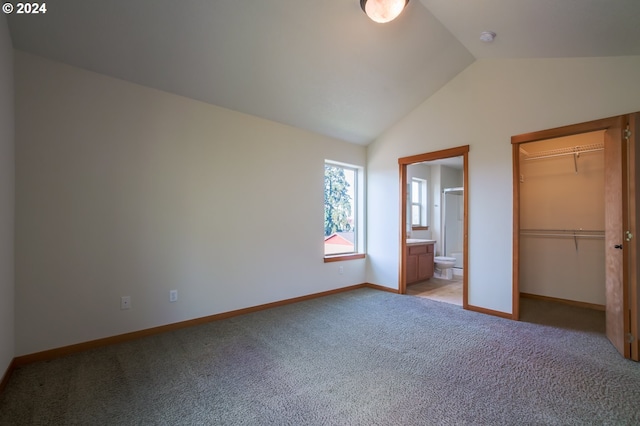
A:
(448, 291)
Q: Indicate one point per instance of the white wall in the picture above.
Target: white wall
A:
(483, 107)
(124, 190)
(7, 342)
(451, 178)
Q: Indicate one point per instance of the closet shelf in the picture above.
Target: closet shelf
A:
(574, 234)
(566, 233)
(576, 150)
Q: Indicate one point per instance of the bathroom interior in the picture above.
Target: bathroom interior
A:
(435, 229)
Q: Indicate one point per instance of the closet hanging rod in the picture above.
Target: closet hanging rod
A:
(562, 151)
(563, 233)
(561, 230)
(596, 237)
(539, 157)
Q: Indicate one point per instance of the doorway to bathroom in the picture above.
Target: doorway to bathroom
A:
(575, 222)
(434, 225)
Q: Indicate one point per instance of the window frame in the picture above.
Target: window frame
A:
(422, 204)
(357, 203)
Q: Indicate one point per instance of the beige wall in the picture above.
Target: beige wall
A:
(554, 197)
(128, 191)
(6, 199)
(483, 107)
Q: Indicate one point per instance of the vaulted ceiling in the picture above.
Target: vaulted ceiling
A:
(318, 65)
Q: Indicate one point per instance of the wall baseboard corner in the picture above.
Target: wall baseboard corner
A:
(490, 312)
(7, 375)
(577, 303)
(381, 288)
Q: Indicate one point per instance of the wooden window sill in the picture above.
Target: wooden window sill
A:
(419, 228)
(341, 257)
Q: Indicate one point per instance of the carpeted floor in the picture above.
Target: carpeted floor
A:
(363, 357)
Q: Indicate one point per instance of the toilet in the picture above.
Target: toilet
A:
(443, 266)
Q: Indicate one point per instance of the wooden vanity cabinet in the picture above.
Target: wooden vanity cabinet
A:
(419, 262)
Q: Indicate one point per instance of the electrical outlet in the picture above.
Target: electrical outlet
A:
(173, 295)
(125, 302)
(341, 270)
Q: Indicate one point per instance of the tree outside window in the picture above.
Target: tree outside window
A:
(339, 209)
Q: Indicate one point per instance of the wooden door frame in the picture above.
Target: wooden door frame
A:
(634, 248)
(633, 156)
(516, 141)
(461, 151)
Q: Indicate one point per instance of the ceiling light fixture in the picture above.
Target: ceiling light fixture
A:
(487, 36)
(383, 11)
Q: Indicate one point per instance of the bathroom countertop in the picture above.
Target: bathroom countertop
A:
(418, 241)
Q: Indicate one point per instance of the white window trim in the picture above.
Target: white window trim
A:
(422, 202)
(358, 213)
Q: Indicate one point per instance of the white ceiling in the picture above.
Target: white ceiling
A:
(543, 28)
(319, 65)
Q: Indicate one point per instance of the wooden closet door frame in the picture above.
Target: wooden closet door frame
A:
(631, 297)
(634, 247)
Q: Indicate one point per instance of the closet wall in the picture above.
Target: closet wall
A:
(562, 220)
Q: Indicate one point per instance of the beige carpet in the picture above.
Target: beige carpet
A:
(448, 291)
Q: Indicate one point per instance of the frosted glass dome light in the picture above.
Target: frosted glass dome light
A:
(383, 11)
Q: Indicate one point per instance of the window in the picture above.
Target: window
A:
(418, 203)
(341, 209)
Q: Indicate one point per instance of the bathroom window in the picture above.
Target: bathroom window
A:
(342, 201)
(418, 203)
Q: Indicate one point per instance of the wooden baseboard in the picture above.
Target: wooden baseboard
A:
(490, 312)
(564, 301)
(7, 375)
(79, 347)
(381, 288)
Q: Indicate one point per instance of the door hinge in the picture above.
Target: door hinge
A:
(628, 236)
(630, 338)
(627, 134)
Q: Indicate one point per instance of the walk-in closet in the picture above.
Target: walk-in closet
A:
(562, 221)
